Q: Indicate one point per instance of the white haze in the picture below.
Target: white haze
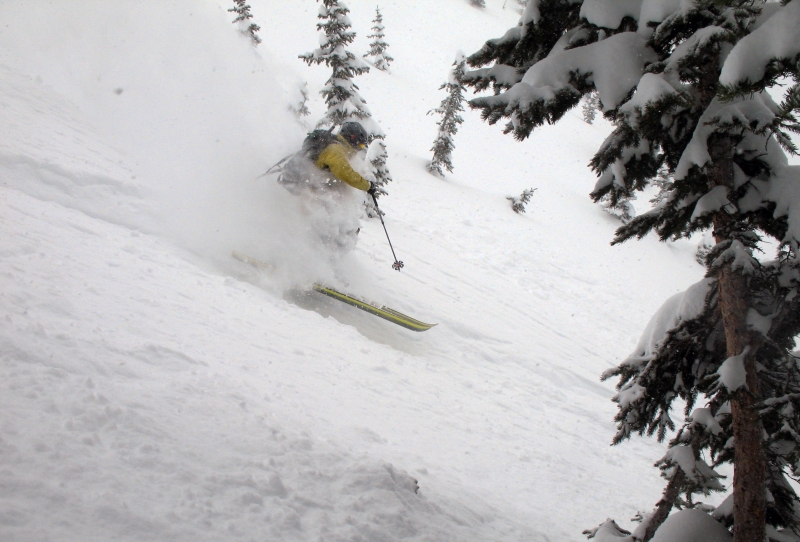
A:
(196, 113)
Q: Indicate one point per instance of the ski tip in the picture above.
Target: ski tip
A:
(258, 264)
(384, 312)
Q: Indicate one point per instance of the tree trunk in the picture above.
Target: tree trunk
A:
(664, 506)
(749, 464)
(671, 492)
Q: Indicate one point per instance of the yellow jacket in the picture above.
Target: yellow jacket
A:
(334, 159)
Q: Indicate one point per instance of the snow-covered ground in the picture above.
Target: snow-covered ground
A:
(155, 389)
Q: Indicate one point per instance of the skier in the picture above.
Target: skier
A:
(322, 175)
(334, 157)
(330, 154)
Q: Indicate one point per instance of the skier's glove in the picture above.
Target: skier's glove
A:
(372, 189)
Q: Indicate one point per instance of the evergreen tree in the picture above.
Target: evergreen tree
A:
(623, 209)
(590, 106)
(377, 49)
(685, 85)
(340, 93)
(243, 14)
(377, 157)
(518, 204)
(449, 110)
(300, 107)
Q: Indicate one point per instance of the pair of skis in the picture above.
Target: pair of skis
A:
(381, 311)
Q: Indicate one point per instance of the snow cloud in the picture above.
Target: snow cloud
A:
(194, 110)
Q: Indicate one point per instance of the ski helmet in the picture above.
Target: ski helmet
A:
(355, 134)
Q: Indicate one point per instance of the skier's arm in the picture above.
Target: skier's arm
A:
(334, 158)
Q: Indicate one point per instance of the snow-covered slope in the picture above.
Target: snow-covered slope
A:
(153, 389)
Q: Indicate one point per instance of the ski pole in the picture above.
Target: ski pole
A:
(397, 265)
(276, 168)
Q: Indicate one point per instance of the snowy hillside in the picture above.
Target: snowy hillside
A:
(155, 389)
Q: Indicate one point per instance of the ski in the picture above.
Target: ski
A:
(384, 312)
(258, 264)
(381, 311)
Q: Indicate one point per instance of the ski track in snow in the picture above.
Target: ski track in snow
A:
(167, 430)
(154, 393)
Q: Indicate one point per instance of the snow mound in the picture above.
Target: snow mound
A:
(677, 309)
(691, 525)
(778, 37)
